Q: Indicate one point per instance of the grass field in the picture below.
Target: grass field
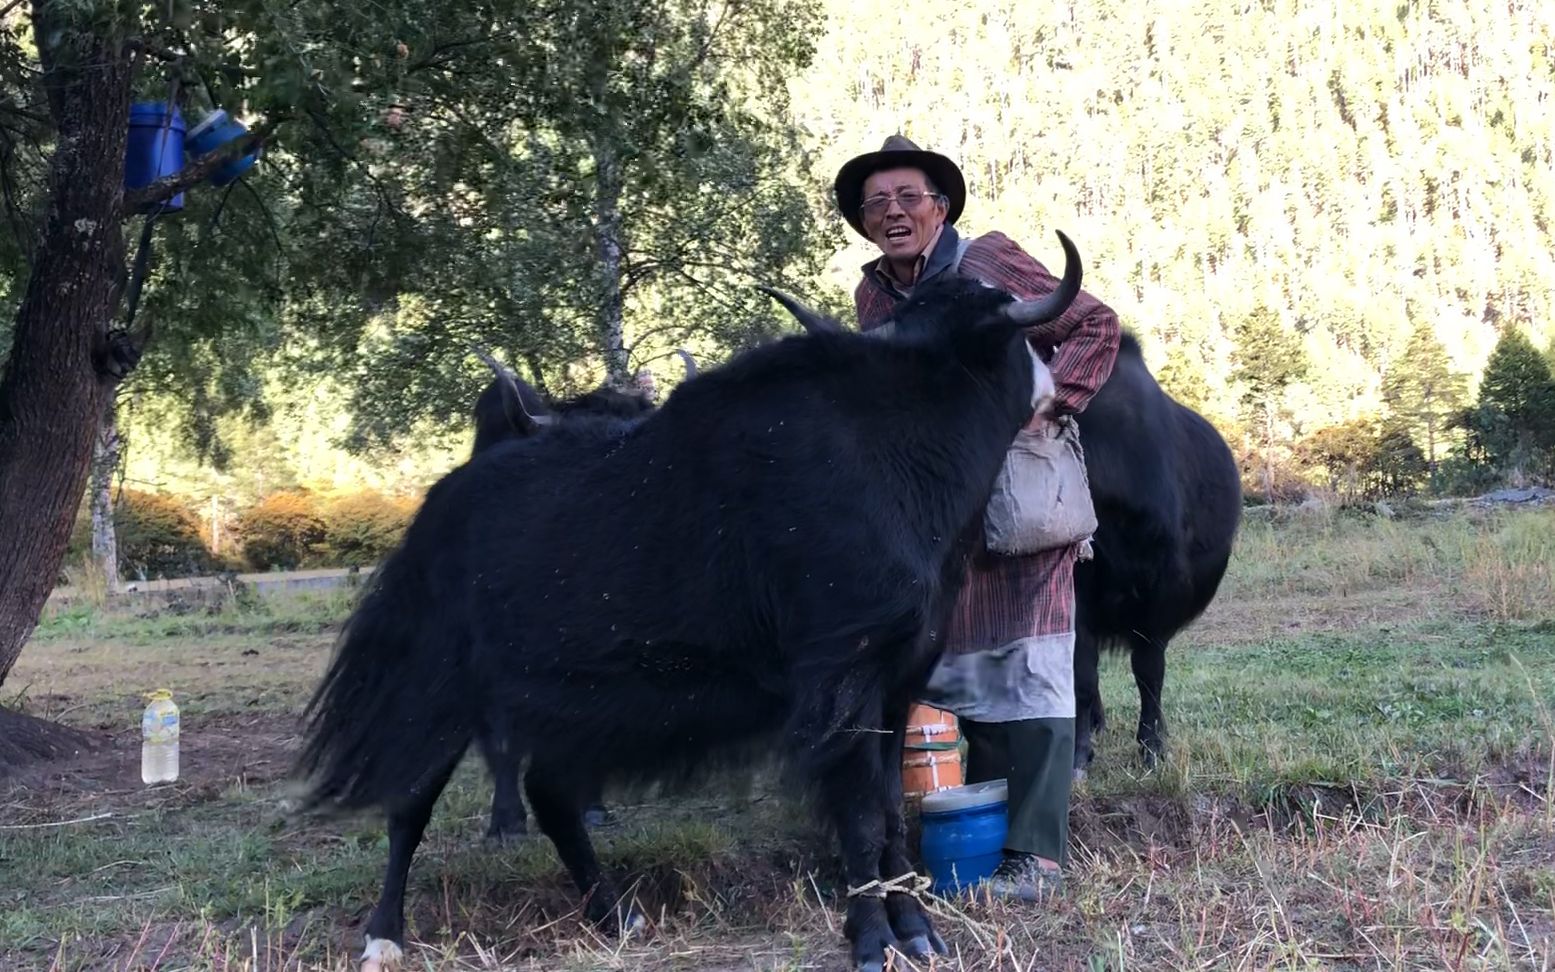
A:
(1361, 769)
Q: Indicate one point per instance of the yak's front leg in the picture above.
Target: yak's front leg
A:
(915, 935)
(845, 759)
(559, 813)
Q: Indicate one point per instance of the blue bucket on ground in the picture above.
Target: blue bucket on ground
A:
(215, 130)
(155, 147)
(963, 834)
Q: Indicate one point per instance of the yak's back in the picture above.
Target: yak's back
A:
(1161, 476)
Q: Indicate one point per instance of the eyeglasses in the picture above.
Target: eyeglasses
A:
(910, 199)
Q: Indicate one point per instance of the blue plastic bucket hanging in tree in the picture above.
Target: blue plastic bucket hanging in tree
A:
(155, 148)
(215, 130)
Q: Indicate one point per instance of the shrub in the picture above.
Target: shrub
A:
(158, 535)
(283, 531)
(361, 528)
(1366, 459)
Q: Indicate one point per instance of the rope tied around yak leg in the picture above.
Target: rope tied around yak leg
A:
(910, 883)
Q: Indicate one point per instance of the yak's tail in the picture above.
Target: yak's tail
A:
(393, 711)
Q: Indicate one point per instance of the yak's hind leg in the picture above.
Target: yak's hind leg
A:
(1149, 661)
(597, 814)
(507, 807)
(915, 936)
(558, 810)
(407, 822)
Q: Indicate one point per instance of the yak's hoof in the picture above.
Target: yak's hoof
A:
(625, 921)
(632, 924)
(1079, 774)
(381, 955)
(920, 946)
(869, 952)
(596, 816)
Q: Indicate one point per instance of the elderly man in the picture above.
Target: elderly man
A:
(1008, 670)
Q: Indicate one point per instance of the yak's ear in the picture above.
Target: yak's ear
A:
(1026, 313)
(813, 321)
(511, 388)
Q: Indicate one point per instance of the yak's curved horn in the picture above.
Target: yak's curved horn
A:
(498, 368)
(690, 362)
(813, 322)
(1028, 312)
(518, 414)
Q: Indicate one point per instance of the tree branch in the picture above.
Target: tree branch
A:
(192, 175)
(173, 57)
(443, 52)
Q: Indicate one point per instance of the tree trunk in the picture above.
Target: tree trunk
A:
(52, 395)
(105, 462)
(607, 237)
(1430, 441)
(1268, 452)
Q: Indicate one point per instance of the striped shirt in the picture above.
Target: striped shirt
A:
(1009, 598)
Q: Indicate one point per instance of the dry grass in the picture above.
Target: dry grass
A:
(87, 582)
(1362, 776)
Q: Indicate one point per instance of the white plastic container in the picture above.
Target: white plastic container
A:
(159, 739)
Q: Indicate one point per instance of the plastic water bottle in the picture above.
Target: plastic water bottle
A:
(159, 739)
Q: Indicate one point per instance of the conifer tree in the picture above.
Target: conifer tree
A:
(1422, 391)
(1268, 360)
(1515, 419)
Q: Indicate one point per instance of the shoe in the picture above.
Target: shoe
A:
(1023, 877)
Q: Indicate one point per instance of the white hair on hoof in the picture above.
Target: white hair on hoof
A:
(636, 924)
(381, 955)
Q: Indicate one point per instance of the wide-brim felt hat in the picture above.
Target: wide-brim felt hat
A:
(897, 153)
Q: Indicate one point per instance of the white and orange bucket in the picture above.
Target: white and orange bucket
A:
(931, 754)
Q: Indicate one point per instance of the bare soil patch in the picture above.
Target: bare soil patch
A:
(216, 754)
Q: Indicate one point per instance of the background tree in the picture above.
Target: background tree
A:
(1398, 466)
(617, 190)
(1422, 391)
(1268, 359)
(1512, 426)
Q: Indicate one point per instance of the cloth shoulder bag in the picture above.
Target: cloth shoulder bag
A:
(1042, 496)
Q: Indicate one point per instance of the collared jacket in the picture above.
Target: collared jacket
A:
(1006, 599)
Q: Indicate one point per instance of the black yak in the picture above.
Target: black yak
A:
(768, 559)
(1168, 500)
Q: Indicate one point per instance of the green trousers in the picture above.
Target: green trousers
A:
(1036, 756)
